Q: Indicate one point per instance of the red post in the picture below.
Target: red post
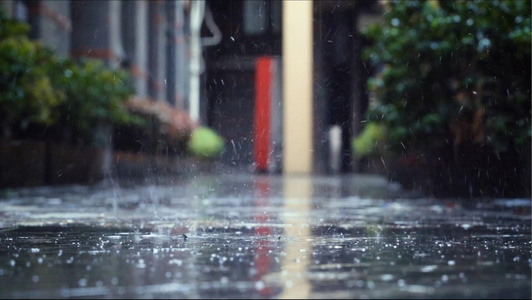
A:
(263, 82)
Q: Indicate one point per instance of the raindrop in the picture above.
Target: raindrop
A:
(288, 284)
(371, 284)
(427, 269)
(387, 277)
(382, 159)
(395, 22)
(82, 282)
(484, 44)
(401, 282)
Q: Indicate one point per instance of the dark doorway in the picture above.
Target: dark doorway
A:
(250, 29)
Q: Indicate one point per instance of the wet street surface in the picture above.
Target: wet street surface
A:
(258, 236)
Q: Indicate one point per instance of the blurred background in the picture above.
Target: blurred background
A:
(432, 94)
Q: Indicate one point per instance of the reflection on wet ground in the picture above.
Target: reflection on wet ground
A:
(242, 236)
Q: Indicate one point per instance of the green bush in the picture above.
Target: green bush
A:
(26, 92)
(454, 91)
(453, 72)
(205, 143)
(37, 89)
(94, 95)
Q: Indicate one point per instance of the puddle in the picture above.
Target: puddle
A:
(268, 238)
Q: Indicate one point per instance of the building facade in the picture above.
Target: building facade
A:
(201, 57)
(147, 37)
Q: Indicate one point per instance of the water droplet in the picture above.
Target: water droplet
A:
(82, 282)
(387, 277)
(427, 269)
(395, 22)
(259, 285)
(451, 263)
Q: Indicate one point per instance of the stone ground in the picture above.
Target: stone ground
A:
(242, 235)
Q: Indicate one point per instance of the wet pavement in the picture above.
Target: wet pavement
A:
(258, 236)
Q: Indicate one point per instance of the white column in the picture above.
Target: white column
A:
(297, 87)
(197, 10)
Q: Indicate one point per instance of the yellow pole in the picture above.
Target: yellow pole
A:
(297, 87)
